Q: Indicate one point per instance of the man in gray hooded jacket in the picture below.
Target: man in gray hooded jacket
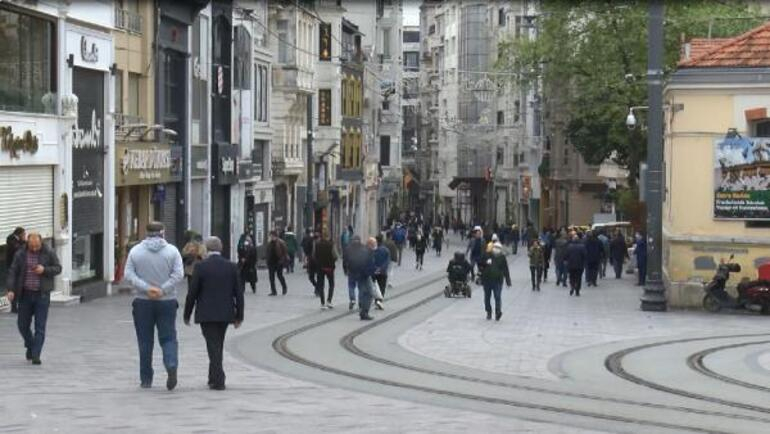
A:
(154, 268)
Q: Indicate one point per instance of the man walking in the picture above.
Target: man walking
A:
(359, 261)
(12, 245)
(325, 259)
(399, 237)
(30, 282)
(536, 261)
(154, 268)
(308, 243)
(290, 238)
(494, 271)
(475, 248)
(575, 258)
(594, 254)
(560, 252)
(606, 256)
(217, 297)
(640, 251)
(618, 254)
(381, 265)
(277, 257)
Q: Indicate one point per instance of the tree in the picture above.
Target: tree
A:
(594, 55)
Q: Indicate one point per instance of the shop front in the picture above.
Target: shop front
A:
(90, 54)
(142, 169)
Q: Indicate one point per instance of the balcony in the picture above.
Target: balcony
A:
(128, 21)
(290, 78)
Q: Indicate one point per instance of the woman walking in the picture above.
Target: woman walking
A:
(495, 270)
(536, 264)
(420, 246)
(247, 262)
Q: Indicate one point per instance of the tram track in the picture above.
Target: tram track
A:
(281, 346)
(614, 364)
(696, 363)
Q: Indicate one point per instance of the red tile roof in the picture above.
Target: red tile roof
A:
(749, 50)
(698, 47)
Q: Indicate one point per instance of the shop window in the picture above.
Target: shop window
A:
(324, 107)
(27, 71)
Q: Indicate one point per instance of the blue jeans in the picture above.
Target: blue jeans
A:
(364, 295)
(33, 304)
(497, 290)
(148, 315)
(351, 288)
(561, 272)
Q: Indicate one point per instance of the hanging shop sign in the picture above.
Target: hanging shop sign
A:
(88, 49)
(141, 163)
(14, 145)
(199, 161)
(227, 164)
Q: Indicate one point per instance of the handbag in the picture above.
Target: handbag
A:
(376, 293)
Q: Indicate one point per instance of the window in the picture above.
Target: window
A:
(285, 53)
(500, 117)
(763, 128)
(118, 91)
(258, 159)
(501, 17)
(324, 107)
(517, 24)
(241, 64)
(411, 36)
(385, 150)
(411, 60)
(386, 104)
(27, 72)
(516, 111)
(261, 95)
(133, 93)
(523, 158)
(565, 156)
(500, 156)
(386, 43)
(325, 41)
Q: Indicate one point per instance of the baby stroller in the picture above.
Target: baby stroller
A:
(458, 271)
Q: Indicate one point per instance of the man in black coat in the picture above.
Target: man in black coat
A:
(30, 282)
(594, 256)
(618, 254)
(218, 294)
(575, 259)
(12, 245)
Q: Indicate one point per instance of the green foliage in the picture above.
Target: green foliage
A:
(592, 57)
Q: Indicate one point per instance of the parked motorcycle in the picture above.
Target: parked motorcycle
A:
(752, 295)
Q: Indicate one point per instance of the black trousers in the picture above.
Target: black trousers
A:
(214, 333)
(382, 282)
(319, 288)
(271, 273)
(537, 276)
(618, 266)
(575, 280)
(592, 272)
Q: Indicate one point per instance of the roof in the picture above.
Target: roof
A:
(697, 47)
(749, 50)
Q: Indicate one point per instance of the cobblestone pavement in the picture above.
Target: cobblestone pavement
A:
(89, 380)
(537, 327)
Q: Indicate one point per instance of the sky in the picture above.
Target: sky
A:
(412, 12)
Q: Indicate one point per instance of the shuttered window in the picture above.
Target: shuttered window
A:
(26, 195)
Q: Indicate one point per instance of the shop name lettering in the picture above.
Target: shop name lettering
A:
(228, 165)
(88, 56)
(26, 142)
(149, 162)
(88, 139)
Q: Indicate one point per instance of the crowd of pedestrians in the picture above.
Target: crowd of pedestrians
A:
(216, 286)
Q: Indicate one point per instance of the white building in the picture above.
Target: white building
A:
(56, 104)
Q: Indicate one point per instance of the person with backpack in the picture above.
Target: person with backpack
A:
(399, 237)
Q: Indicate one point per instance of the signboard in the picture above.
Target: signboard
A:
(260, 228)
(226, 164)
(139, 163)
(199, 162)
(88, 49)
(742, 178)
(87, 138)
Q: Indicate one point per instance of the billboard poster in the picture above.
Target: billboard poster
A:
(742, 178)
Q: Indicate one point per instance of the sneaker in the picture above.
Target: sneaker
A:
(366, 318)
(329, 305)
(36, 361)
(378, 304)
(351, 305)
(171, 380)
(323, 308)
(272, 294)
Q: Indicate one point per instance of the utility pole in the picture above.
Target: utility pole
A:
(310, 164)
(654, 298)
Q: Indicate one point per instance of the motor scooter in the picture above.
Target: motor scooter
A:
(752, 295)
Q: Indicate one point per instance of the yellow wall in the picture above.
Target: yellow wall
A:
(691, 235)
(133, 54)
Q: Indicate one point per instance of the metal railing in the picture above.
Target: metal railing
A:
(128, 21)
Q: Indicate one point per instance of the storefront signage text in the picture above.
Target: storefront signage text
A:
(90, 56)
(26, 142)
(149, 163)
(228, 166)
(88, 138)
